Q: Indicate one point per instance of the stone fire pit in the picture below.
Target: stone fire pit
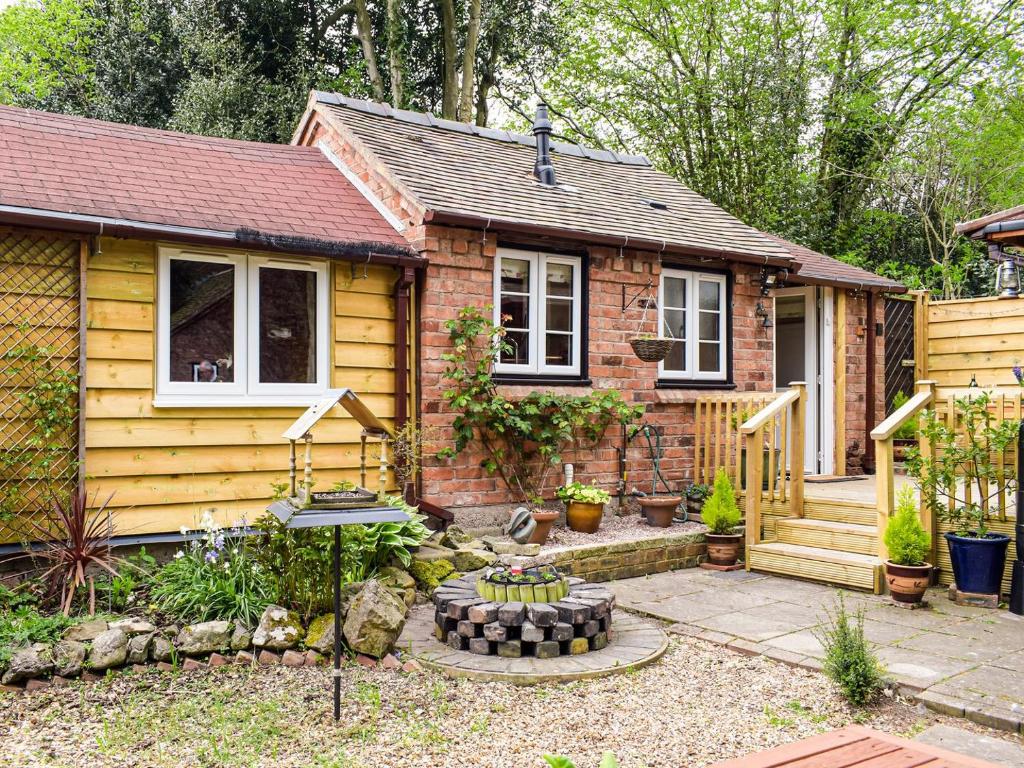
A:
(513, 613)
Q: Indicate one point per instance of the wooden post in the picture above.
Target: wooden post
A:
(927, 449)
(840, 383)
(920, 334)
(307, 474)
(291, 467)
(884, 491)
(755, 466)
(796, 458)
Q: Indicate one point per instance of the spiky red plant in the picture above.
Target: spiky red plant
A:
(75, 538)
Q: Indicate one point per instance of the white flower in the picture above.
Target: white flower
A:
(178, 555)
(226, 566)
(184, 530)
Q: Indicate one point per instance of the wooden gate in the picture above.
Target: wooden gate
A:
(40, 371)
(899, 349)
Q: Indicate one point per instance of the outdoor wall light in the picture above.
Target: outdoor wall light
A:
(763, 313)
(771, 280)
(1007, 277)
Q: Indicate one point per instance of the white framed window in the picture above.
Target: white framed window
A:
(537, 300)
(236, 329)
(692, 309)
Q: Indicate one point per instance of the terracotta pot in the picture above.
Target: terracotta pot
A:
(694, 507)
(544, 519)
(724, 548)
(659, 510)
(907, 583)
(585, 518)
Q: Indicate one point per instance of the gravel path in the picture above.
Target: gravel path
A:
(700, 704)
(613, 529)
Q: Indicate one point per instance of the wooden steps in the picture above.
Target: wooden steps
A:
(841, 511)
(832, 566)
(827, 534)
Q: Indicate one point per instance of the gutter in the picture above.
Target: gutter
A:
(128, 228)
(618, 241)
(1014, 225)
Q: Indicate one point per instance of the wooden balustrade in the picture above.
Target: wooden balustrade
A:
(717, 440)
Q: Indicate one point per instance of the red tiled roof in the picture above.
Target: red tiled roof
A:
(816, 267)
(75, 165)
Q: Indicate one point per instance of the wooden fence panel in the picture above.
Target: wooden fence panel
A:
(981, 339)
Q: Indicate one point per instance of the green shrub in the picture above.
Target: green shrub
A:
(216, 578)
(299, 562)
(849, 661)
(119, 591)
(557, 761)
(25, 625)
(906, 431)
(585, 494)
(720, 513)
(905, 538)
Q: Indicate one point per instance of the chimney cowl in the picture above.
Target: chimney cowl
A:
(542, 168)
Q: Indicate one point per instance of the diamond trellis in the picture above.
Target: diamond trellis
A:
(40, 346)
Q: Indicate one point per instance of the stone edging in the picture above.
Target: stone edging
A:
(627, 559)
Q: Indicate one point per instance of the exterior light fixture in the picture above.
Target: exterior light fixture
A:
(1007, 276)
(763, 313)
(771, 280)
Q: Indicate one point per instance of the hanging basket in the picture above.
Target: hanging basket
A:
(652, 350)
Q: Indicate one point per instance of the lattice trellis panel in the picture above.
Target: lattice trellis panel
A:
(899, 350)
(40, 316)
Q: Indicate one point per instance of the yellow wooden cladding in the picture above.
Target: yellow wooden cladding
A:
(166, 466)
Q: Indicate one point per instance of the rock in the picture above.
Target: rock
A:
(132, 626)
(109, 649)
(268, 658)
(374, 621)
(278, 630)
(138, 648)
(292, 658)
(501, 546)
(320, 635)
(245, 657)
(86, 632)
(399, 582)
(429, 574)
(163, 666)
(453, 536)
(390, 661)
(348, 594)
(472, 559)
(412, 666)
(429, 553)
(216, 660)
(312, 658)
(68, 658)
(191, 665)
(27, 663)
(205, 637)
(160, 649)
(37, 685)
(366, 661)
(241, 638)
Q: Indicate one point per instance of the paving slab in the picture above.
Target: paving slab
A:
(998, 751)
(804, 642)
(748, 627)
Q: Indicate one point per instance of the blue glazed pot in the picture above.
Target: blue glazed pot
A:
(978, 563)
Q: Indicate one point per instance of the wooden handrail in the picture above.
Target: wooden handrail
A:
(770, 411)
(923, 397)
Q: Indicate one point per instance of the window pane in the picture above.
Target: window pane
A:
(287, 326)
(520, 352)
(559, 349)
(675, 359)
(515, 311)
(675, 292)
(515, 275)
(559, 315)
(708, 354)
(709, 326)
(202, 332)
(709, 295)
(675, 324)
(559, 280)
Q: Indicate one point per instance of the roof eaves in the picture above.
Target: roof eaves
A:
(973, 227)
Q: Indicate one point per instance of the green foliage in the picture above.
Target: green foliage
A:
(557, 761)
(698, 491)
(216, 578)
(963, 457)
(905, 537)
(720, 513)
(906, 431)
(25, 625)
(430, 573)
(587, 494)
(119, 591)
(849, 661)
(299, 562)
(524, 439)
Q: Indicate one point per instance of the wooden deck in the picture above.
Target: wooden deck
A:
(855, 746)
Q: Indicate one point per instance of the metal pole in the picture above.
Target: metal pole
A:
(337, 622)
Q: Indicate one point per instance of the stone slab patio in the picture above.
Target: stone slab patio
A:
(958, 660)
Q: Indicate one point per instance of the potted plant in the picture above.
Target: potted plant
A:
(696, 494)
(651, 348)
(907, 571)
(584, 506)
(721, 516)
(962, 459)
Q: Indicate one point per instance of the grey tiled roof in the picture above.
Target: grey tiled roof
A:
(456, 168)
(814, 267)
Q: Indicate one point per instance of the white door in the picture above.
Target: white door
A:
(803, 352)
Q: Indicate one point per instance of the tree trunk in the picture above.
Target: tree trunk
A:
(364, 31)
(396, 49)
(469, 62)
(449, 78)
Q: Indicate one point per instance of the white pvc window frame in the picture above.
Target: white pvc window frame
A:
(246, 390)
(536, 329)
(691, 327)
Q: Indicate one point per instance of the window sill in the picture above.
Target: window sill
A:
(540, 381)
(190, 401)
(693, 384)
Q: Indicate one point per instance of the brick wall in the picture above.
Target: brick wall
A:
(856, 378)
(460, 273)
